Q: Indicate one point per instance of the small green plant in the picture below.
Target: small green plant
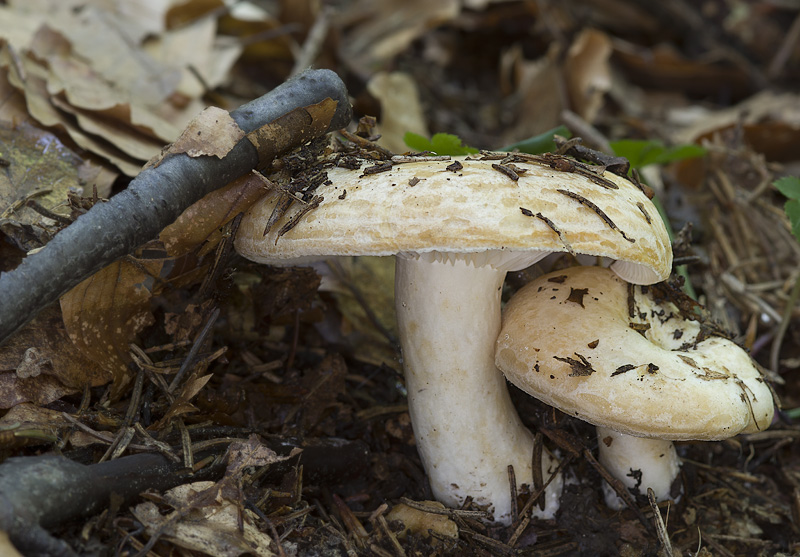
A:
(538, 144)
(440, 143)
(789, 186)
(644, 152)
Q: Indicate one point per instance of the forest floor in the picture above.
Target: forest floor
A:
(313, 363)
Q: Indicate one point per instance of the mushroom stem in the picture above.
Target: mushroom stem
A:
(638, 463)
(466, 428)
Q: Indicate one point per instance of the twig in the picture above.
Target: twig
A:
(661, 528)
(297, 111)
(787, 47)
(44, 491)
(786, 319)
(190, 357)
(314, 41)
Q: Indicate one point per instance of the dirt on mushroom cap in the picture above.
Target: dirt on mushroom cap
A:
(472, 208)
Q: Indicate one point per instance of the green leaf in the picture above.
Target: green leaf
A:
(792, 209)
(417, 142)
(538, 144)
(788, 186)
(440, 143)
(642, 153)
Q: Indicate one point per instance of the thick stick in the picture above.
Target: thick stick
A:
(156, 197)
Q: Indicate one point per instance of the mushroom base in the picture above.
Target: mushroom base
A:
(466, 427)
(639, 463)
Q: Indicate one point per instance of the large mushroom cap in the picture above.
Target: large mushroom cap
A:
(586, 342)
(469, 205)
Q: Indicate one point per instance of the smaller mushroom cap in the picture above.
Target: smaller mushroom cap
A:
(472, 206)
(614, 355)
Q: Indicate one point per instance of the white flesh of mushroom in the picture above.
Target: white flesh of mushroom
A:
(639, 463)
(467, 429)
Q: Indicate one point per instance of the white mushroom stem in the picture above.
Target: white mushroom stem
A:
(466, 428)
(638, 463)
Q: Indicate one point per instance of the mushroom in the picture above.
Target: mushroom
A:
(634, 361)
(457, 227)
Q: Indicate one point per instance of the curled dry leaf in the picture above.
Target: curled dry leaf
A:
(40, 170)
(376, 38)
(55, 367)
(200, 222)
(211, 529)
(182, 404)
(105, 313)
(588, 72)
(210, 516)
(211, 133)
(401, 108)
(246, 454)
(421, 523)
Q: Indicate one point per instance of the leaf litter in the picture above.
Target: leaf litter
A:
(284, 360)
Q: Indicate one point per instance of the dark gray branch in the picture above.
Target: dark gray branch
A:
(42, 492)
(153, 200)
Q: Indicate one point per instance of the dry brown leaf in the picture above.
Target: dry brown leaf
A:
(211, 529)
(42, 170)
(587, 71)
(665, 69)
(242, 455)
(375, 38)
(770, 124)
(196, 50)
(538, 84)
(401, 109)
(128, 140)
(102, 39)
(28, 423)
(197, 223)
(421, 523)
(105, 313)
(12, 102)
(182, 404)
(53, 366)
(211, 133)
(18, 27)
(113, 76)
(33, 83)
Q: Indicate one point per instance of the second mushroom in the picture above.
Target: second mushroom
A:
(636, 362)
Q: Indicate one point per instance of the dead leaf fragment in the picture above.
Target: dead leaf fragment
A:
(211, 133)
(40, 170)
(197, 223)
(376, 38)
(401, 109)
(209, 529)
(588, 72)
(105, 313)
(421, 523)
(52, 365)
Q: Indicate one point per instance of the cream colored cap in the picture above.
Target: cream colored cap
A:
(423, 207)
(577, 340)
